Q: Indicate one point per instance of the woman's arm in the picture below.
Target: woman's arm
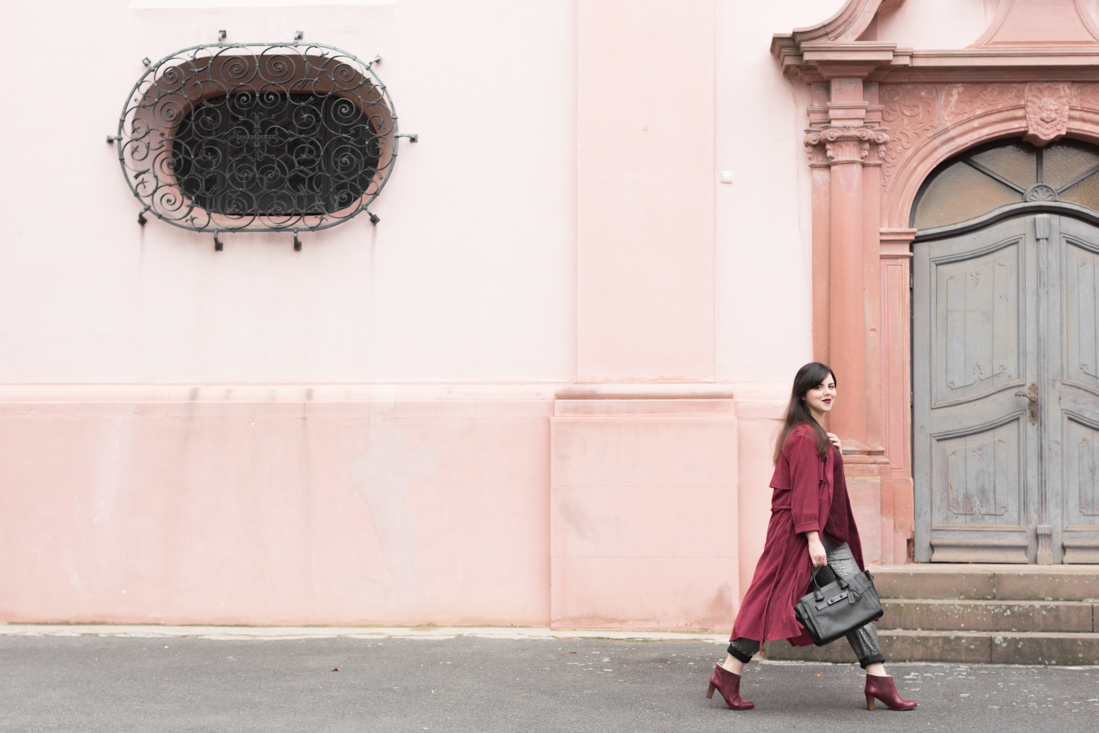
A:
(805, 474)
(816, 549)
(805, 494)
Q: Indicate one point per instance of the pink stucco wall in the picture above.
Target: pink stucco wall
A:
(382, 504)
(468, 277)
(391, 426)
(275, 504)
(763, 245)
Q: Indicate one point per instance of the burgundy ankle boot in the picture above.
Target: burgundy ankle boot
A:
(883, 689)
(728, 684)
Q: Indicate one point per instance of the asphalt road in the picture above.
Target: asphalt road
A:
(90, 683)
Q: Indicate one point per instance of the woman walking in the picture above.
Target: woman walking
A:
(811, 525)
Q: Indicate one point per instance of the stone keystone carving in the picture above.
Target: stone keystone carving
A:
(1046, 114)
(845, 144)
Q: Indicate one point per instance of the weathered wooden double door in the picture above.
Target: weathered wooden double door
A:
(1006, 392)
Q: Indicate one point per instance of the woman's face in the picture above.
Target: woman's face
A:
(820, 398)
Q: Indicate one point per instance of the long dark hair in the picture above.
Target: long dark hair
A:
(797, 412)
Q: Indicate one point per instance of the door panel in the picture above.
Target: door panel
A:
(1006, 393)
(975, 447)
(978, 322)
(1081, 311)
(983, 479)
(1071, 411)
(1081, 453)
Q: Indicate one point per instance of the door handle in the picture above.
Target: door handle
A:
(1032, 401)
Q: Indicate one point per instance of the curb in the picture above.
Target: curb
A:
(259, 633)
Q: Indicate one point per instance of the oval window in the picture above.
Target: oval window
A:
(235, 137)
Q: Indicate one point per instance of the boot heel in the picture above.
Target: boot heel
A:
(710, 692)
(883, 689)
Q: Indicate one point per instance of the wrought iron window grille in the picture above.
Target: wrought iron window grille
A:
(244, 137)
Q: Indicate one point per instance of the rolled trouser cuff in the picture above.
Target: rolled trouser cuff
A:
(743, 649)
(872, 659)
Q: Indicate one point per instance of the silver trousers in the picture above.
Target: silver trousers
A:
(863, 640)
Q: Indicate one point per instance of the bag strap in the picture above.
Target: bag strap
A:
(818, 594)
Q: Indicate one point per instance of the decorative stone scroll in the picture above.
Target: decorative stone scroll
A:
(910, 112)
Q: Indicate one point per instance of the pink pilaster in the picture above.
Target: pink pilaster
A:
(645, 190)
(626, 457)
(821, 178)
(848, 142)
(620, 467)
(848, 341)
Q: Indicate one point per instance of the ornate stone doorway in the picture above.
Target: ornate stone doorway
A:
(882, 120)
(1005, 388)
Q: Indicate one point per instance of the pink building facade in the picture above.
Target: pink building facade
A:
(543, 388)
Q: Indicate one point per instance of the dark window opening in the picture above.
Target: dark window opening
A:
(275, 154)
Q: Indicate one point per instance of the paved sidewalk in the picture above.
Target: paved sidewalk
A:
(154, 679)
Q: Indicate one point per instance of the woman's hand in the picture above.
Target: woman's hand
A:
(835, 439)
(816, 549)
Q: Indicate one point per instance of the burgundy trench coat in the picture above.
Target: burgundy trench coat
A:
(802, 501)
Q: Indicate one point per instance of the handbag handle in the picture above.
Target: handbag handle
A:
(818, 594)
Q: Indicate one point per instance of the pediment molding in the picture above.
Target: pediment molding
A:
(848, 24)
(1037, 23)
(1067, 47)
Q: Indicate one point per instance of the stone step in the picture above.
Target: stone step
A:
(964, 647)
(959, 615)
(988, 582)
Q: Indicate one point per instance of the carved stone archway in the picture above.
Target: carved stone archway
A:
(881, 118)
(930, 123)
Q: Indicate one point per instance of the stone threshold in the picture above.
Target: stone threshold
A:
(950, 568)
(959, 647)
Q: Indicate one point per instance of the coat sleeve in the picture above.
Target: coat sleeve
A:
(804, 484)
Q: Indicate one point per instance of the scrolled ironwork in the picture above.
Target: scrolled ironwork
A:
(257, 137)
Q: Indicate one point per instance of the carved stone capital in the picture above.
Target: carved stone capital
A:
(846, 144)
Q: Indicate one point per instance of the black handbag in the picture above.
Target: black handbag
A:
(843, 605)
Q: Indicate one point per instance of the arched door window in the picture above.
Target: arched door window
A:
(1006, 176)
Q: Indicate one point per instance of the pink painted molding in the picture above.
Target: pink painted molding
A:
(896, 243)
(645, 391)
(273, 400)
